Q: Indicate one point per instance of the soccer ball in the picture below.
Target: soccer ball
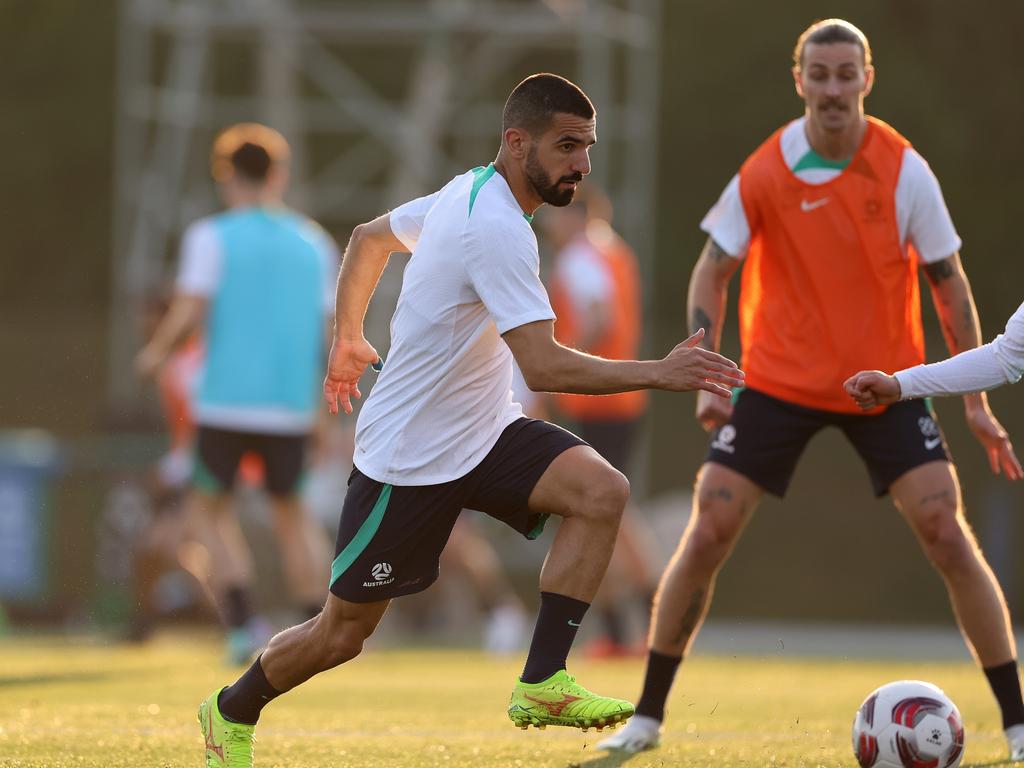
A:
(908, 724)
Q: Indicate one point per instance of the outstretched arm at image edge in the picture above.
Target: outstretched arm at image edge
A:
(974, 370)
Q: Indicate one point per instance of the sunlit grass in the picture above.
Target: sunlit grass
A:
(71, 704)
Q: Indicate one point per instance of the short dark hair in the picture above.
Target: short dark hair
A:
(537, 99)
(247, 150)
(831, 31)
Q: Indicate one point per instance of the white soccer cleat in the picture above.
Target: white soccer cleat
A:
(1015, 741)
(640, 733)
(506, 630)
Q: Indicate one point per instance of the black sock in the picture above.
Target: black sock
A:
(559, 618)
(661, 672)
(237, 607)
(1005, 682)
(243, 701)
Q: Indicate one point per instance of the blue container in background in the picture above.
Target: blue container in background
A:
(29, 460)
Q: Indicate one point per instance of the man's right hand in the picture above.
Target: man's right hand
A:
(689, 367)
(713, 411)
(870, 389)
(347, 363)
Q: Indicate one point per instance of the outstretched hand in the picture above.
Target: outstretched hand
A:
(689, 366)
(870, 389)
(996, 442)
(347, 363)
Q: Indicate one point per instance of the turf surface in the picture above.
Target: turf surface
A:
(64, 703)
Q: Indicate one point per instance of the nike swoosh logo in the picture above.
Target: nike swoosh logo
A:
(930, 444)
(806, 206)
(573, 623)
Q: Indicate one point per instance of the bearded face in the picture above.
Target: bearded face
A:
(553, 191)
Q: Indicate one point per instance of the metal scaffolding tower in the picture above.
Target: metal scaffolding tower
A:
(381, 100)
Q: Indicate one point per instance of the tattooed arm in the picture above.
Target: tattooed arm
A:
(954, 304)
(709, 289)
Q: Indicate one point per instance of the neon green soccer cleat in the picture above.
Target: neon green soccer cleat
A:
(228, 745)
(560, 700)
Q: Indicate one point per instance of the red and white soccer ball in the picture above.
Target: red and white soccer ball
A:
(908, 724)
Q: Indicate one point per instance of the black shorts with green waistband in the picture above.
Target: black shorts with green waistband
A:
(391, 536)
(766, 436)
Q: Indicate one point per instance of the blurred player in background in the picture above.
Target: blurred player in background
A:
(440, 431)
(167, 545)
(258, 281)
(974, 370)
(596, 296)
(832, 214)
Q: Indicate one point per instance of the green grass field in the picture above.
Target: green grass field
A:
(65, 704)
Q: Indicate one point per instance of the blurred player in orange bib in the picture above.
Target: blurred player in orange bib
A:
(595, 293)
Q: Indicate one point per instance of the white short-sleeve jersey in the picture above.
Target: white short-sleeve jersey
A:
(443, 397)
(921, 213)
(585, 275)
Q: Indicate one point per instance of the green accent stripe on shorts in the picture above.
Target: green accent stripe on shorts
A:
(538, 529)
(366, 532)
(736, 392)
(203, 479)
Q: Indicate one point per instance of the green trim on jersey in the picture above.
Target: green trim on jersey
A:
(813, 161)
(482, 174)
(363, 536)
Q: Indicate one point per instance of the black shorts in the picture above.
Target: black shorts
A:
(766, 436)
(391, 536)
(219, 452)
(613, 439)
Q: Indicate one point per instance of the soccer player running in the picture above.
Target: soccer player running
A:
(832, 214)
(257, 281)
(440, 431)
(991, 365)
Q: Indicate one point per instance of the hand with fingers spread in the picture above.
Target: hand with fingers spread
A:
(348, 361)
(870, 389)
(689, 366)
(995, 441)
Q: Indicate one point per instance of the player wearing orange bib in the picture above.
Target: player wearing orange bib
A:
(833, 214)
(596, 296)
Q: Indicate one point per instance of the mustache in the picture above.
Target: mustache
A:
(576, 177)
(832, 103)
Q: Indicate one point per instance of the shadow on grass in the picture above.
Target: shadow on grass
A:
(50, 679)
(609, 760)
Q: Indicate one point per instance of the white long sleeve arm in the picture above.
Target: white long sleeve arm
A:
(974, 370)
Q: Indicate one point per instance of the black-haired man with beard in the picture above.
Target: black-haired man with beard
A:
(440, 431)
